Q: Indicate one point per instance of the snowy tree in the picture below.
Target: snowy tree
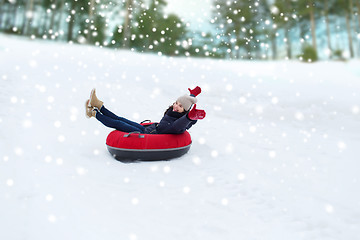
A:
(204, 44)
(345, 9)
(126, 27)
(284, 17)
(237, 24)
(148, 29)
(244, 29)
(28, 17)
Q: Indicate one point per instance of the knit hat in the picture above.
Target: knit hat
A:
(186, 101)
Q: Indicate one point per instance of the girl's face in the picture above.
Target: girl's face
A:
(177, 107)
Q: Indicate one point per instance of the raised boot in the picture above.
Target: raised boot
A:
(94, 101)
(89, 111)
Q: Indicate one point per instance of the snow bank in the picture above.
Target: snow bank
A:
(275, 158)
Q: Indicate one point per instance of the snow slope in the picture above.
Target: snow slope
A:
(277, 156)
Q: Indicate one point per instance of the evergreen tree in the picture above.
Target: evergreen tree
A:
(121, 36)
(156, 32)
(270, 28)
(358, 24)
(204, 45)
(309, 12)
(265, 32)
(244, 28)
(49, 22)
(239, 24)
(284, 17)
(9, 12)
(172, 31)
(327, 8)
(127, 23)
(79, 22)
(144, 31)
(74, 9)
(28, 17)
(343, 11)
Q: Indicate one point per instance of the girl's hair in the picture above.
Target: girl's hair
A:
(171, 108)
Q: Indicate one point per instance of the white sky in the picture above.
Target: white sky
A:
(197, 12)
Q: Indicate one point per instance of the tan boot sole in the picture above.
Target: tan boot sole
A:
(87, 106)
(91, 96)
(94, 101)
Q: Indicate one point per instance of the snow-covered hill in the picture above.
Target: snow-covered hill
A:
(277, 156)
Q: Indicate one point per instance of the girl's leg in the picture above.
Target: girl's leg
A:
(110, 114)
(119, 124)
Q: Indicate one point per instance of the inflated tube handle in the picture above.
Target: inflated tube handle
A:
(128, 135)
(149, 121)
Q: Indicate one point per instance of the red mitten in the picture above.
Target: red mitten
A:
(196, 114)
(196, 91)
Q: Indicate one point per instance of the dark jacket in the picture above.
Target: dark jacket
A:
(171, 123)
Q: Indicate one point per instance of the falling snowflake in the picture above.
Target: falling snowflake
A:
(132, 236)
(229, 87)
(196, 160)
(201, 140)
(48, 159)
(41, 88)
(241, 176)
(59, 161)
(242, 100)
(19, 151)
(272, 154)
(10, 182)
(52, 218)
(81, 171)
(61, 138)
(229, 148)
(299, 116)
(50, 99)
(224, 201)
(27, 123)
(214, 153)
(341, 145)
(135, 201)
(13, 99)
(274, 100)
(355, 109)
(259, 109)
(252, 129)
(57, 124)
(186, 190)
(49, 197)
(167, 169)
(210, 180)
(329, 208)
(136, 116)
(154, 168)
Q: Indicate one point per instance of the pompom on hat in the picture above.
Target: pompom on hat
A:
(187, 101)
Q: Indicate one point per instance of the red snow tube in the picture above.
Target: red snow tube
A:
(138, 146)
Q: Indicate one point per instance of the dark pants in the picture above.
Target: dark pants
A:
(109, 119)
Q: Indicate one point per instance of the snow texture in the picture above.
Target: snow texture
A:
(277, 156)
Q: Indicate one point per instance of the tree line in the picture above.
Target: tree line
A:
(240, 29)
(257, 29)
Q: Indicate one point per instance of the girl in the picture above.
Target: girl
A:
(177, 118)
